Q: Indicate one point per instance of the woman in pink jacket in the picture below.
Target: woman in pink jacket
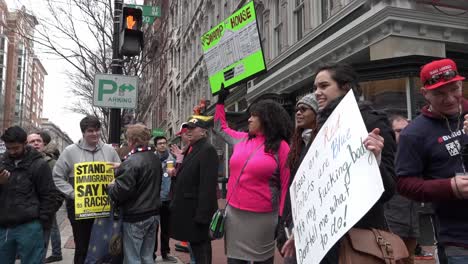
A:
(258, 180)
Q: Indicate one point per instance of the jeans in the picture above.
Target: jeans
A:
(164, 214)
(139, 239)
(457, 259)
(192, 257)
(239, 261)
(25, 240)
(55, 240)
(201, 251)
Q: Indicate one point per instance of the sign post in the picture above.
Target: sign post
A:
(115, 91)
(150, 13)
(336, 184)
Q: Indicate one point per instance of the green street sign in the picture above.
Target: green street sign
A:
(149, 12)
(115, 91)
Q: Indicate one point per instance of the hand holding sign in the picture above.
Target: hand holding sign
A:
(375, 143)
(222, 95)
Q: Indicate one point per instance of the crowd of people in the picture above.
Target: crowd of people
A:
(171, 190)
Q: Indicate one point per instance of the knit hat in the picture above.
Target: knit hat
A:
(310, 101)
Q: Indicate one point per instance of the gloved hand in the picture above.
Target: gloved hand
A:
(222, 95)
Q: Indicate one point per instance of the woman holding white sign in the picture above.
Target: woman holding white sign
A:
(258, 180)
(332, 83)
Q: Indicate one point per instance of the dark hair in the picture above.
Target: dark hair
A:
(14, 134)
(156, 139)
(45, 137)
(276, 123)
(296, 145)
(396, 117)
(344, 75)
(89, 122)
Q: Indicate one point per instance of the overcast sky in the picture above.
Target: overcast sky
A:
(57, 95)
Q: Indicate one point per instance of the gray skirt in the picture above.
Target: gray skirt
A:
(249, 235)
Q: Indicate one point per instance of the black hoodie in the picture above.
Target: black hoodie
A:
(27, 195)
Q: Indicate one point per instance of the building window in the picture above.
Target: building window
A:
(278, 27)
(299, 13)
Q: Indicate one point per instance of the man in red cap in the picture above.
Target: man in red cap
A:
(429, 161)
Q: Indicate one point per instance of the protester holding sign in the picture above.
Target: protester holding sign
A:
(258, 181)
(331, 84)
(135, 191)
(89, 148)
(306, 129)
(431, 159)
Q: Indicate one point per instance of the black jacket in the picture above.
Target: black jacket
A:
(195, 201)
(27, 196)
(137, 186)
(372, 119)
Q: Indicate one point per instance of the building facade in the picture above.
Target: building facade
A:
(60, 138)
(21, 72)
(385, 40)
(37, 93)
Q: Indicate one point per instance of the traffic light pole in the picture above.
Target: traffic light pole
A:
(114, 118)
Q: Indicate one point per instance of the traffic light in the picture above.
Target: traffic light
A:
(131, 36)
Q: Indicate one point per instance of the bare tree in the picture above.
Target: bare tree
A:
(80, 33)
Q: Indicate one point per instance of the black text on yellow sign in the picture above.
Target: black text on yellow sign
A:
(91, 197)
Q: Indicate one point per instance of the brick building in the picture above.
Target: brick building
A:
(21, 72)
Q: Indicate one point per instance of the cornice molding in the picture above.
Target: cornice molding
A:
(370, 28)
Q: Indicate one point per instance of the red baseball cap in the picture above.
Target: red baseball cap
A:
(182, 129)
(438, 73)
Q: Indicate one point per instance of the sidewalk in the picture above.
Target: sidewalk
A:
(219, 256)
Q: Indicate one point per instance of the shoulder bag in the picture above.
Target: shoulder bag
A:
(371, 246)
(219, 217)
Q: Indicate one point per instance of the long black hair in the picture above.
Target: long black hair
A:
(275, 121)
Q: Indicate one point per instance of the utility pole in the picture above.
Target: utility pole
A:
(114, 118)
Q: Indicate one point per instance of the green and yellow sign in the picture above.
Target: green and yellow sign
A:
(232, 49)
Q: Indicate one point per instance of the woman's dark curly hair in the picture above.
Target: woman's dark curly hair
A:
(275, 121)
(296, 145)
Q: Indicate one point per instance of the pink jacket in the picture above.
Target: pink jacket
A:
(264, 182)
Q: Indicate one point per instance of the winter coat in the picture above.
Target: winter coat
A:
(194, 201)
(27, 195)
(137, 186)
(56, 194)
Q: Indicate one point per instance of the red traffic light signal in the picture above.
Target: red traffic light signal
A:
(131, 36)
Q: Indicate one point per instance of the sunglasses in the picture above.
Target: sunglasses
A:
(448, 75)
(301, 109)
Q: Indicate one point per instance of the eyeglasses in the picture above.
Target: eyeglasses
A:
(301, 108)
(448, 75)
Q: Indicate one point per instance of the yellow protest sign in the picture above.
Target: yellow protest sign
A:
(91, 197)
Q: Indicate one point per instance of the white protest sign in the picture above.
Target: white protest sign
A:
(336, 184)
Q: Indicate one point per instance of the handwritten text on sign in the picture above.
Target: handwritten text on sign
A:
(336, 184)
(91, 197)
